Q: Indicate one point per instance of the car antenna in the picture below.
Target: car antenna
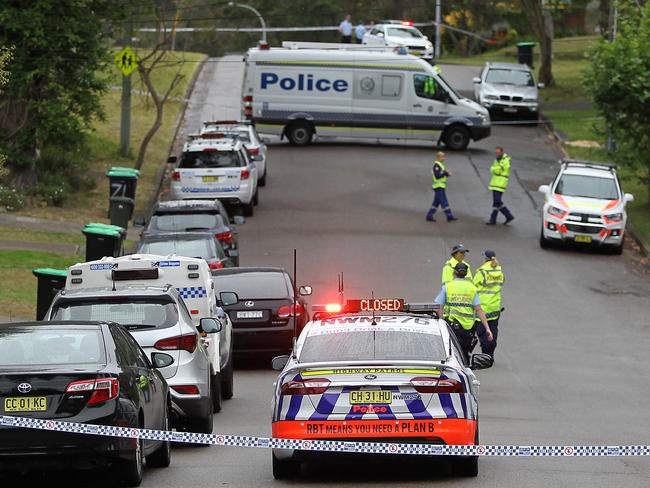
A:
(113, 279)
(374, 322)
(295, 294)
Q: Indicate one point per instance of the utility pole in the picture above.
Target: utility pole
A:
(438, 20)
(125, 118)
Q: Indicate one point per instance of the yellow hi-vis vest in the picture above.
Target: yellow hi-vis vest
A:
(489, 283)
(448, 270)
(500, 170)
(460, 302)
(438, 182)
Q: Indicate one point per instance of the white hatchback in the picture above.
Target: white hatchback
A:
(214, 167)
(585, 205)
(400, 33)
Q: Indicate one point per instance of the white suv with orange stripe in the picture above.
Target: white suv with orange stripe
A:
(585, 205)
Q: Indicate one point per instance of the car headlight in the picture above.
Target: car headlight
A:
(485, 119)
(613, 218)
(491, 97)
(556, 212)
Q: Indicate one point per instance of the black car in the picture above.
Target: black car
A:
(194, 215)
(201, 245)
(263, 320)
(88, 372)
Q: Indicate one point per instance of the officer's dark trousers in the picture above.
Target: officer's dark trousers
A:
(498, 206)
(440, 200)
(488, 347)
(464, 336)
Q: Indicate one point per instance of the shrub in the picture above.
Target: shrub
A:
(11, 199)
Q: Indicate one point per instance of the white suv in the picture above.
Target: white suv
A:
(400, 33)
(584, 204)
(214, 166)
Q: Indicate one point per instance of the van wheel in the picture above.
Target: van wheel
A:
(300, 133)
(456, 137)
(247, 209)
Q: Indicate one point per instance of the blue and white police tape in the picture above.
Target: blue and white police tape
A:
(327, 446)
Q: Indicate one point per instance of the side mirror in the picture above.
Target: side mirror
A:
(476, 80)
(279, 362)
(481, 361)
(227, 298)
(139, 222)
(544, 189)
(380, 34)
(238, 220)
(210, 325)
(232, 253)
(540, 85)
(265, 140)
(161, 360)
(305, 290)
(628, 197)
(171, 159)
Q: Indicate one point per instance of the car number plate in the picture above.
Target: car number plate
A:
(511, 110)
(250, 314)
(25, 404)
(371, 396)
(210, 179)
(585, 239)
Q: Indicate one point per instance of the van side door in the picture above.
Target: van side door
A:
(378, 105)
(430, 107)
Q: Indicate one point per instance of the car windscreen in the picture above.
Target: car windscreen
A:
(253, 285)
(211, 159)
(405, 33)
(587, 187)
(191, 248)
(515, 77)
(128, 311)
(43, 346)
(179, 222)
(366, 345)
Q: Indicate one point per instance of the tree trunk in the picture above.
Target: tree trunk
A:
(146, 78)
(541, 23)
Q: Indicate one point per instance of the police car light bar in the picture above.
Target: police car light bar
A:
(222, 122)
(407, 23)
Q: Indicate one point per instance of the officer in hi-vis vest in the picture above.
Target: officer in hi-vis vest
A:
(439, 185)
(489, 280)
(500, 170)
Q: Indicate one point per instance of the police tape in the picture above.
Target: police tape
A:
(326, 446)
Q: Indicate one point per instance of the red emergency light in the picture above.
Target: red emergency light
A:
(407, 23)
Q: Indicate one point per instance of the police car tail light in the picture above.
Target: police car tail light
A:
(103, 389)
(312, 386)
(224, 237)
(286, 311)
(176, 176)
(245, 174)
(215, 265)
(254, 151)
(248, 106)
(425, 384)
(181, 342)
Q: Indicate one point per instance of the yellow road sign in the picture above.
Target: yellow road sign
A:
(126, 61)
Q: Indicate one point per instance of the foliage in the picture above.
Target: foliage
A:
(11, 199)
(618, 82)
(5, 57)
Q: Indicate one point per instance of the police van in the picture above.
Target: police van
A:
(192, 279)
(302, 90)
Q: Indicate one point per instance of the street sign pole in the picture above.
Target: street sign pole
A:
(125, 118)
(438, 20)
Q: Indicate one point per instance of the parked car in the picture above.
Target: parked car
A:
(87, 372)
(202, 245)
(400, 33)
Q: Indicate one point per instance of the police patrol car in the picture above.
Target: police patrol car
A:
(214, 166)
(378, 370)
(191, 278)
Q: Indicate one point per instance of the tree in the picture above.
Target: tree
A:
(618, 82)
(5, 57)
(541, 23)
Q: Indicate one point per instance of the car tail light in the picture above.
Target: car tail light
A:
(216, 265)
(254, 151)
(176, 176)
(426, 384)
(248, 106)
(186, 389)
(225, 237)
(102, 389)
(312, 386)
(245, 174)
(286, 311)
(181, 342)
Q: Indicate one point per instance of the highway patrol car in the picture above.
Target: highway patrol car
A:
(378, 370)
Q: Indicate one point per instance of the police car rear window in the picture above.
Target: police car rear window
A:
(380, 344)
(211, 159)
(195, 248)
(176, 222)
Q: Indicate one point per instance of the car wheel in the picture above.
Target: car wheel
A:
(202, 425)
(248, 209)
(618, 250)
(130, 471)
(300, 133)
(285, 468)
(227, 379)
(456, 137)
(162, 457)
(262, 181)
(256, 197)
(215, 390)
(467, 466)
(544, 243)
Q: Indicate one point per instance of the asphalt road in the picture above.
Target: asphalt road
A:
(571, 363)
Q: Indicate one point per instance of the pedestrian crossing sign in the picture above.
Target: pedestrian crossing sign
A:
(126, 61)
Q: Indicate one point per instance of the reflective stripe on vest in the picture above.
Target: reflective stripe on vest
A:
(460, 302)
(500, 174)
(438, 182)
(489, 283)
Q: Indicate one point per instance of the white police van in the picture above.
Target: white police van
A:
(192, 279)
(307, 89)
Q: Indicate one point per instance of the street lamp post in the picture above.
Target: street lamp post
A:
(254, 10)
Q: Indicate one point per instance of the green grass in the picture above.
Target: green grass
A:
(19, 299)
(26, 235)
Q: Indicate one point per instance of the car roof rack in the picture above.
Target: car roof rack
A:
(588, 164)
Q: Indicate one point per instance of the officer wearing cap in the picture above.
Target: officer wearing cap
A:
(460, 300)
(489, 280)
(457, 256)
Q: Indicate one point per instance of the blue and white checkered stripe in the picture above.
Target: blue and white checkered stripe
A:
(192, 292)
(329, 446)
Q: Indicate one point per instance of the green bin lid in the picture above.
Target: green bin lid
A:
(525, 43)
(50, 271)
(101, 231)
(105, 226)
(118, 171)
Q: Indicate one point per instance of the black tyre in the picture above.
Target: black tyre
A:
(300, 133)
(262, 181)
(285, 468)
(201, 425)
(162, 457)
(228, 380)
(544, 243)
(456, 137)
(618, 250)
(130, 471)
(467, 466)
(215, 389)
(256, 198)
(248, 210)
